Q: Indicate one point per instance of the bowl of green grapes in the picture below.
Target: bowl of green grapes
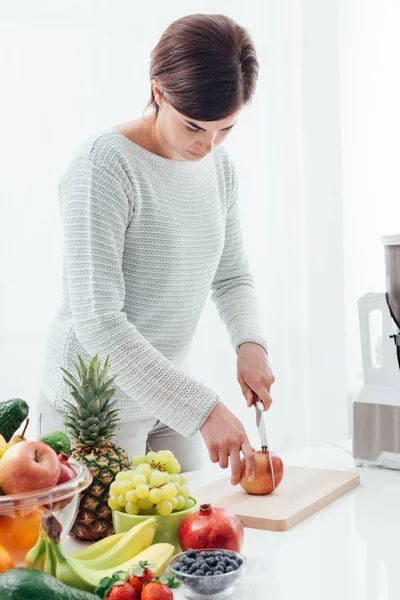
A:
(153, 487)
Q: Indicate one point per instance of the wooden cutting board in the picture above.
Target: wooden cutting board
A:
(302, 492)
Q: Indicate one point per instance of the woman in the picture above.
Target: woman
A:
(151, 225)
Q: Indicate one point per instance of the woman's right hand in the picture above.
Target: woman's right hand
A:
(225, 436)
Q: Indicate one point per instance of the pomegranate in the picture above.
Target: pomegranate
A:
(211, 528)
(67, 472)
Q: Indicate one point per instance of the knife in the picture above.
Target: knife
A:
(263, 435)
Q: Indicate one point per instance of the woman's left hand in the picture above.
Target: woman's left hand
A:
(254, 374)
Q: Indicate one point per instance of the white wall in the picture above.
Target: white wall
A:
(74, 67)
(369, 46)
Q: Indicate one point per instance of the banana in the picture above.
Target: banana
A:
(65, 572)
(49, 565)
(98, 548)
(158, 555)
(134, 541)
(36, 555)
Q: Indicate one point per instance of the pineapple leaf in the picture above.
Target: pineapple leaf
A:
(103, 373)
(72, 382)
(94, 406)
(107, 384)
(92, 368)
(105, 398)
(103, 415)
(77, 369)
(84, 368)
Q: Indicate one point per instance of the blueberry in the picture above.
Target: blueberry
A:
(208, 573)
(210, 561)
(221, 565)
(183, 569)
(204, 553)
(227, 561)
(177, 566)
(234, 565)
(218, 572)
(229, 569)
(199, 572)
(189, 561)
(191, 553)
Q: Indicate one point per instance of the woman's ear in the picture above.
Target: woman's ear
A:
(158, 94)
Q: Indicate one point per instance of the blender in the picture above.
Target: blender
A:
(376, 409)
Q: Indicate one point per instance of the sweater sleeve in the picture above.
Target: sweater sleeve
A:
(233, 288)
(95, 211)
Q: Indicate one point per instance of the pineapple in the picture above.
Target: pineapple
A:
(91, 424)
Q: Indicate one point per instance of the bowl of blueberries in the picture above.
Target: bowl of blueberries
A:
(208, 573)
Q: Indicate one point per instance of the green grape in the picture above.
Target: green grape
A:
(183, 479)
(142, 491)
(132, 508)
(122, 487)
(131, 497)
(114, 491)
(166, 453)
(173, 466)
(139, 459)
(156, 478)
(189, 503)
(164, 508)
(121, 500)
(151, 456)
(155, 495)
(177, 487)
(139, 479)
(168, 491)
(113, 502)
(165, 477)
(174, 503)
(184, 491)
(122, 476)
(174, 478)
(181, 501)
(144, 469)
(145, 504)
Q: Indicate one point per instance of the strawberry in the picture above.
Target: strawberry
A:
(122, 590)
(116, 588)
(140, 574)
(159, 589)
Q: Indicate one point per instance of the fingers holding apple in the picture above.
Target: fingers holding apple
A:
(28, 466)
(262, 483)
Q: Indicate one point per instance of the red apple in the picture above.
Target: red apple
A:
(28, 466)
(262, 483)
(67, 472)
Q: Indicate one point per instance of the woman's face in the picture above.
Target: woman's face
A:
(186, 139)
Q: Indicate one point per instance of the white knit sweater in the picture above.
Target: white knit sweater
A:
(145, 241)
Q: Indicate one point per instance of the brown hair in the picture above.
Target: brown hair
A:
(206, 65)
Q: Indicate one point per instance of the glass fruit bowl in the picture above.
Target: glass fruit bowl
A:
(210, 581)
(21, 514)
(167, 529)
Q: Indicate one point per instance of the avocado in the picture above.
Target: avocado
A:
(12, 413)
(31, 584)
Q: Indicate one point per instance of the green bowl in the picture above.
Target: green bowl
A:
(168, 527)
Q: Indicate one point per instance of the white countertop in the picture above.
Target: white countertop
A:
(347, 551)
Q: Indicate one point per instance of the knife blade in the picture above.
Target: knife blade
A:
(263, 436)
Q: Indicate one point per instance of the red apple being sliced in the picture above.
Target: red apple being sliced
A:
(27, 467)
(262, 483)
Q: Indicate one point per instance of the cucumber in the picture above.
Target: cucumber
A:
(31, 584)
(12, 414)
